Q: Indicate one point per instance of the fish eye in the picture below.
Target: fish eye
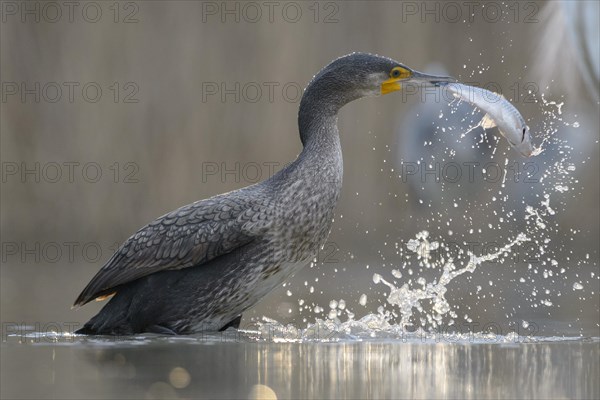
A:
(395, 73)
(524, 130)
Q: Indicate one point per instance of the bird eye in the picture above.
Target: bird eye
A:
(395, 73)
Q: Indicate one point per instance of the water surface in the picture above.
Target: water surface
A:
(243, 367)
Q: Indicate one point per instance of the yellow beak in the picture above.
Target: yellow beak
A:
(391, 85)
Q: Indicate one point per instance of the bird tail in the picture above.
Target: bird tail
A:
(111, 320)
(86, 330)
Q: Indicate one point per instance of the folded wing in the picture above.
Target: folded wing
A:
(186, 237)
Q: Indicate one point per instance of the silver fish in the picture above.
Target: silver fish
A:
(499, 112)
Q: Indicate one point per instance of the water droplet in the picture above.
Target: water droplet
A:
(376, 278)
(363, 300)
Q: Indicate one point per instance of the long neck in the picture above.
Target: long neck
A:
(317, 123)
(317, 117)
(321, 159)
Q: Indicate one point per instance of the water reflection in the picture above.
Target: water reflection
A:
(184, 368)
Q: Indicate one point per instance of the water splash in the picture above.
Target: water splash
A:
(407, 299)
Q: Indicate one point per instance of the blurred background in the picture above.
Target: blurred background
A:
(115, 114)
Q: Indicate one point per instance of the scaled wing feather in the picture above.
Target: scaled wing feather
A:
(186, 237)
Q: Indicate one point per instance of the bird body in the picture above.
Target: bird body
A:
(234, 247)
(198, 268)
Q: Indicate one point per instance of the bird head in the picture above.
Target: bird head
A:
(362, 74)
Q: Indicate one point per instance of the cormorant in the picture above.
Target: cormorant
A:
(198, 268)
